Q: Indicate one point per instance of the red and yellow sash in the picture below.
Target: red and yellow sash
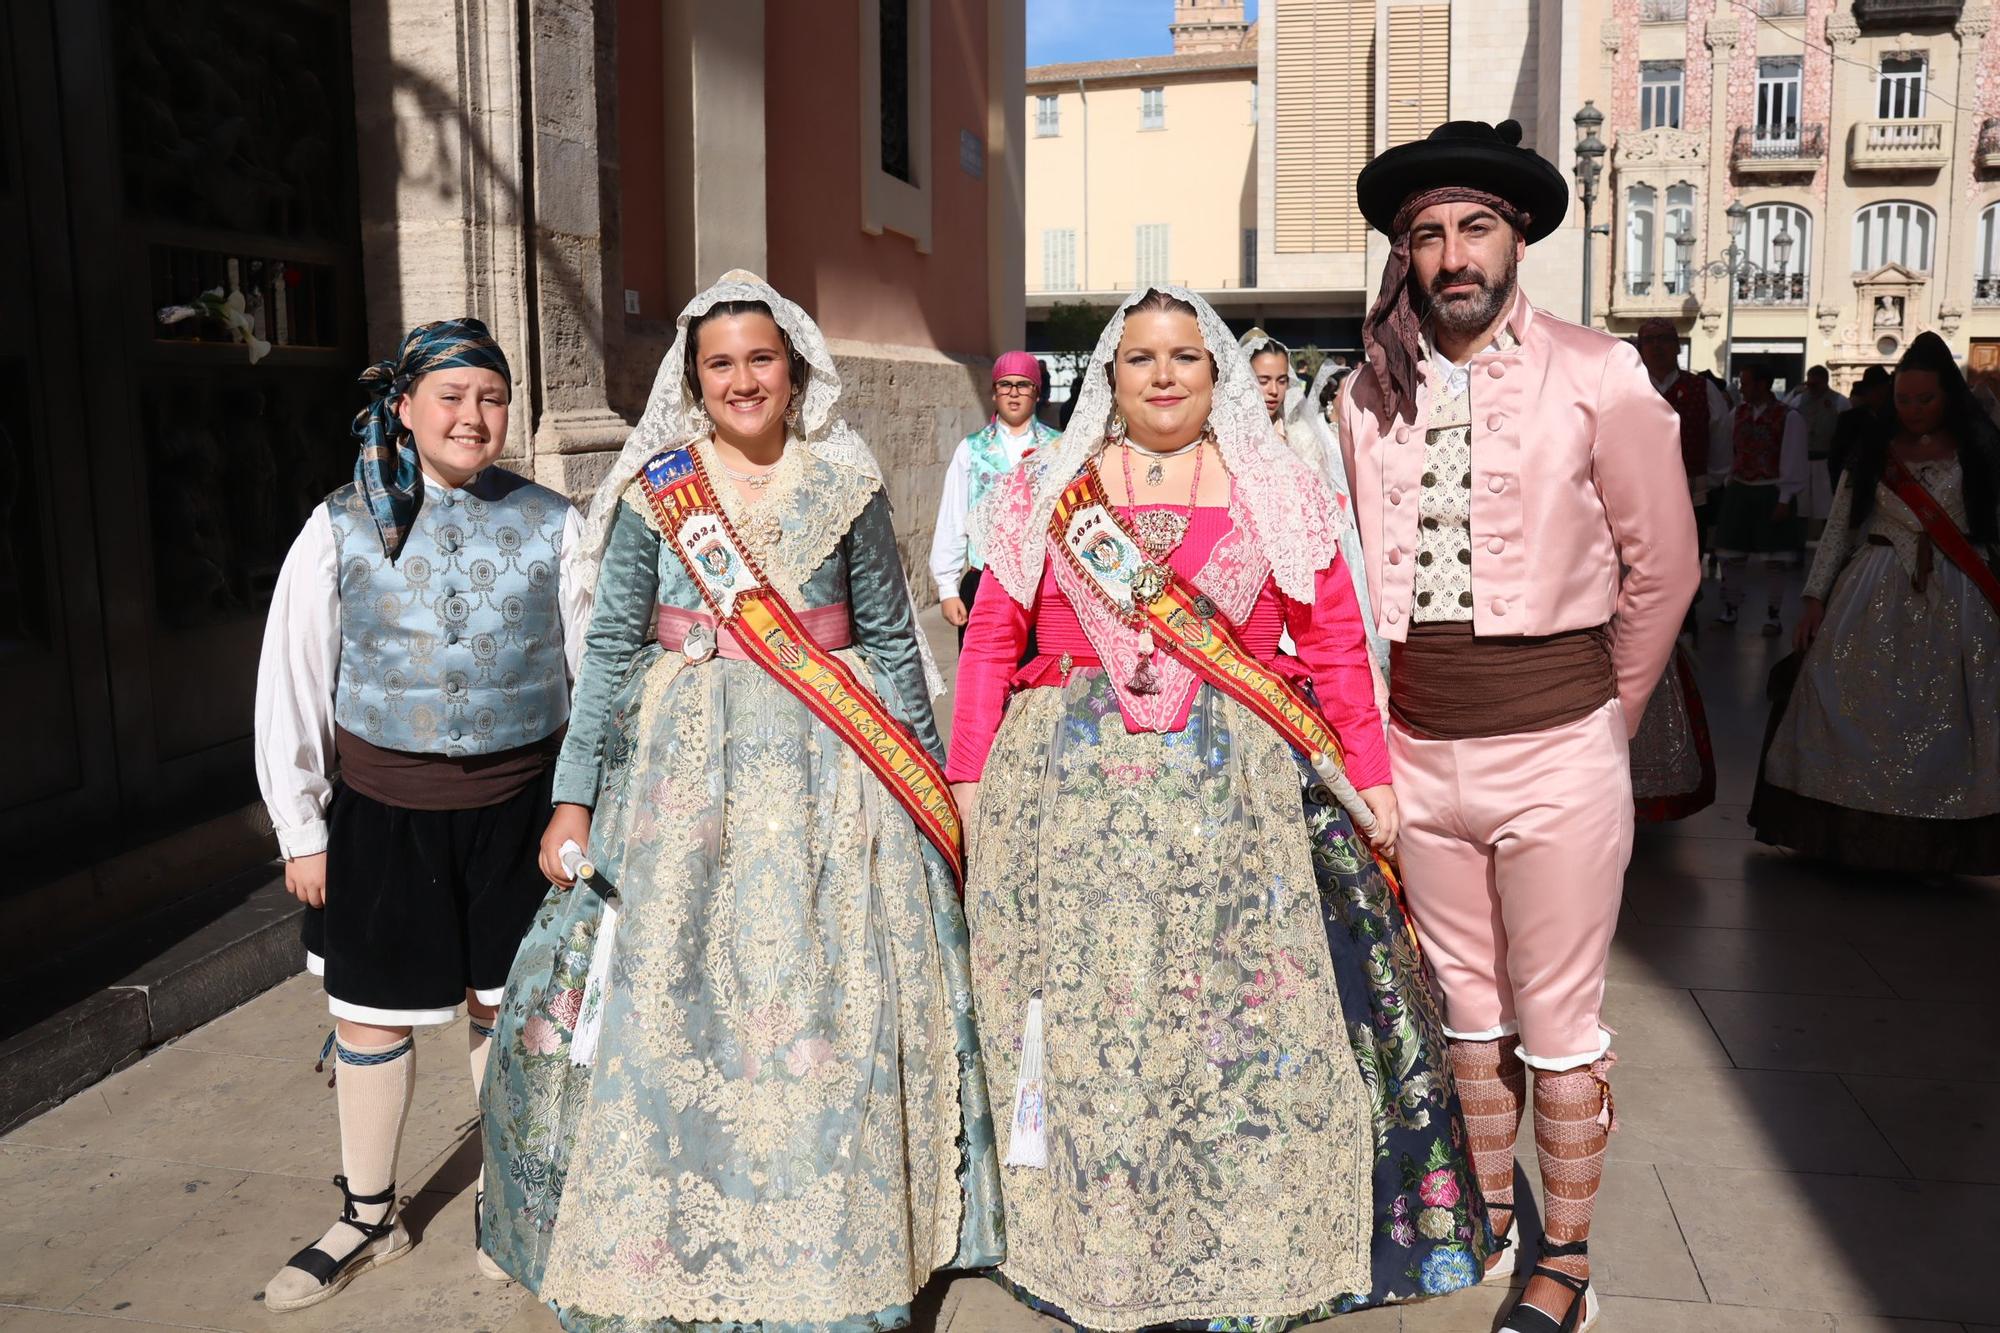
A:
(1944, 533)
(743, 601)
(1185, 623)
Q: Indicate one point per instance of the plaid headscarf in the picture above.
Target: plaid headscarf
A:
(388, 471)
(1392, 334)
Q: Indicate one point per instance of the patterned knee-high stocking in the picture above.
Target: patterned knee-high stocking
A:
(1573, 1122)
(1492, 1087)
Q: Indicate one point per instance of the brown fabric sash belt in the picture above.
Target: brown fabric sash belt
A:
(1447, 683)
(830, 627)
(441, 782)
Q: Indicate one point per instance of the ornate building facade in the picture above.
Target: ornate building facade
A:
(1861, 140)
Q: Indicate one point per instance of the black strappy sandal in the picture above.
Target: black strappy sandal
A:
(1526, 1318)
(1505, 1243)
(332, 1274)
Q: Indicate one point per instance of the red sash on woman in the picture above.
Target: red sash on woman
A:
(773, 636)
(1944, 533)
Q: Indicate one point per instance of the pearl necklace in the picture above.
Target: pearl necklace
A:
(1155, 472)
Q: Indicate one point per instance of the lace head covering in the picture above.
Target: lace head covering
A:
(671, 419)
(1255, 343)
(1289, 509)
(1310, 434)
(388, 470)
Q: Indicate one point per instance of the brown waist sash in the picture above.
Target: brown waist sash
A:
(1447, 683)
(441, 782)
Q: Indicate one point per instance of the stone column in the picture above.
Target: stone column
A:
(1721, 38)
(1851, 99)
(1951, 281)
(437, 107)
(573, 164)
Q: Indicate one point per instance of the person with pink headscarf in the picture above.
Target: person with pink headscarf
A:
(1011, 434)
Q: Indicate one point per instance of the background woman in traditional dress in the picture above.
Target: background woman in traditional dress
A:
(1247, 1113)
(1888, 752)
(1315, 436)
(758, 1100)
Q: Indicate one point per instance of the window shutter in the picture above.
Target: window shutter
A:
(1419, 70)
(1324, 122)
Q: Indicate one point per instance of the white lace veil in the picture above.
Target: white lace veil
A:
(1295, 524)
(669, 421)
(1256, 341)
(1311, 435)
(1314, 439)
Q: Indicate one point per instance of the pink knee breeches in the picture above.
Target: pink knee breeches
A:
(1513, 855)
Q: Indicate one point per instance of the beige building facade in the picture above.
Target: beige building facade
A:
(1229, 165)
(1859, 137)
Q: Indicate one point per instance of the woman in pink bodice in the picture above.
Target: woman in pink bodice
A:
(1215, 1054)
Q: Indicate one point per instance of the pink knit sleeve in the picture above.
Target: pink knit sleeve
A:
(994, 640)
(1330, 642)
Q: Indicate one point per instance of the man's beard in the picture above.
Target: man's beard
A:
(1462, 315)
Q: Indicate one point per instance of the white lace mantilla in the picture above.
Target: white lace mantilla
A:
(669, 421)
(1291, 513)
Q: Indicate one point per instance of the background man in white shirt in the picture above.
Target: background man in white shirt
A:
(982, 458)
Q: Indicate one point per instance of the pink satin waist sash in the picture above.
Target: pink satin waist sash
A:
(829, 626)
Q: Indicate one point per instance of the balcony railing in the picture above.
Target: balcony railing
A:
(1989, 145)
(1778, 9)
(1663, 11)
(1782, 148)
(1895, 15)
(1986, 290)
(1898, 145)
(1771, 289)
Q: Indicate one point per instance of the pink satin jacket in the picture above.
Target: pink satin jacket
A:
(1580, 510)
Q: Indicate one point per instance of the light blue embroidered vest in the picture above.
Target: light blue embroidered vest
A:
(456, 648)
(987, 449)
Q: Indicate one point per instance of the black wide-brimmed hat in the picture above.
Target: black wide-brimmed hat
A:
(1471, 154)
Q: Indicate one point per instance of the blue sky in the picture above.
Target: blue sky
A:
(1061, 30)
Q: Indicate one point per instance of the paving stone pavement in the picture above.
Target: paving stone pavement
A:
(1810, 1111)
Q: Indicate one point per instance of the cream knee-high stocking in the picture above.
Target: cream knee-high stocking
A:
(372, 1085)
(479, 1041)
(1492, 1089)
(1573, 1123)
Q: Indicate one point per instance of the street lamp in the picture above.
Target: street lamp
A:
(1589, 166)
(1735, 266)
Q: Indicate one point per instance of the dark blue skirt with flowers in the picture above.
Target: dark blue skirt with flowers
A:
(1431, 1230)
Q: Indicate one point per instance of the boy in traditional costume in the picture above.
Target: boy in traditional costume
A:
(413, 687)
(1523, 505)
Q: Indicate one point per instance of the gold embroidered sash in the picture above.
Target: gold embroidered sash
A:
(771, 634)
(1171, 615)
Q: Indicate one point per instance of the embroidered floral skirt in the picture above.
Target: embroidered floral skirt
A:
(783, 1123)
(1249, 1121)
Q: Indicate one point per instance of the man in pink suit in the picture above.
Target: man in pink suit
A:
(1530, 547)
